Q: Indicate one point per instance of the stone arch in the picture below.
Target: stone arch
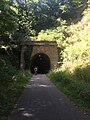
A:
(42, 62)
(45, 48)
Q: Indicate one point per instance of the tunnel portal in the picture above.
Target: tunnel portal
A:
(42, 62)
(41, 54)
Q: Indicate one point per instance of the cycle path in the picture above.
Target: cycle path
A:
(41, 100)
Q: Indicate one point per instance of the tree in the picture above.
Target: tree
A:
(72, 9)
(20, 18)
(7, 21)
(35, 15)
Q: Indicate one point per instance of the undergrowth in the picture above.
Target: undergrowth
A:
(73, 77)
(12, 83)
(75, 85)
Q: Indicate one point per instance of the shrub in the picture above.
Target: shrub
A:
(12, 82)
(74, 85)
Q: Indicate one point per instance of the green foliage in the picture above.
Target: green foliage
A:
(77, 45)
(27, 55)
(26, 18)
(83, 74)
(71, 9)
(74, 85)
(55, 34)
(72, 4)
(8, 20)
(73, 77)
(5, 74)
(35, 15)
(12, 82)
(42, 19)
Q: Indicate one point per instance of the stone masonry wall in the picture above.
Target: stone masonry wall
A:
(48, 48)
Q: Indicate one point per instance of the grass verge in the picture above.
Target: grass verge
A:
(11, 90)
(77, 89)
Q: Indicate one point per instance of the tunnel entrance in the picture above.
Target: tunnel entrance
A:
(43, 54)
(42, 62)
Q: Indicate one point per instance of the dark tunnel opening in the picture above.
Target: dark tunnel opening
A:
(42, 62)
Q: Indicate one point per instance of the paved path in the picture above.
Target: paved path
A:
(42, 101)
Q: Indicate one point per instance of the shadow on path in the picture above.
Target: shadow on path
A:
(42, 101)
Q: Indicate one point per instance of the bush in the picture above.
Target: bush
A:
(12, 82)
(74, 85)
(77, 45)
(83, 74)
(57, 34)
(6, 71)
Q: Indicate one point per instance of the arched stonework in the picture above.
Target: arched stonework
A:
(46, 47)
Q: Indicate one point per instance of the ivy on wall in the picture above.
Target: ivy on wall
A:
(27, 55)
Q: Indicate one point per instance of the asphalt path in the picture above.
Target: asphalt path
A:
(41, 100)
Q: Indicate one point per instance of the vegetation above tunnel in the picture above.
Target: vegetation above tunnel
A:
(20, 18)
(45, 20)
